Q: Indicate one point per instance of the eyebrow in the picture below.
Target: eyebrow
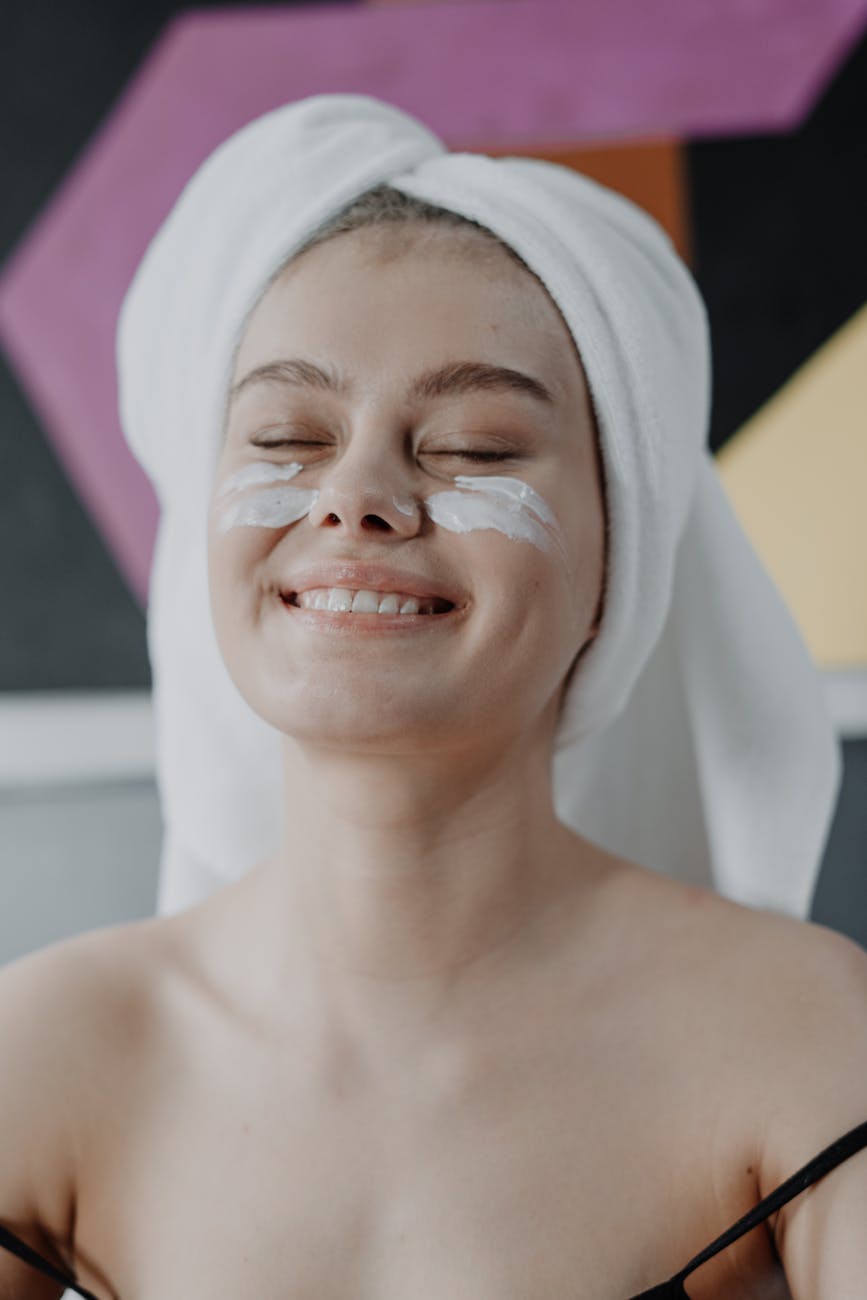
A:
(454, 378)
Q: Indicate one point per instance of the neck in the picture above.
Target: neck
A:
(402, 883)
(411, 869)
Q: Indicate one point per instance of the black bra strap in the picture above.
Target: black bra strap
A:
(833, 1155)
(10, 1242)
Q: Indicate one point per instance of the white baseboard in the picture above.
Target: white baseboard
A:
(69, 737)
(846, 695)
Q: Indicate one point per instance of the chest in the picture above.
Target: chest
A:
(543, 1173)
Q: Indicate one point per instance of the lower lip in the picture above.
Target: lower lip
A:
(346, 624)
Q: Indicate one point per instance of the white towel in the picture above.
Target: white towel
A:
(695, 738)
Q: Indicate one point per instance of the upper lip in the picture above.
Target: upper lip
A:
(356, 575)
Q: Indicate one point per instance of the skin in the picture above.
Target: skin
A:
(417, 768)
(437, 1044)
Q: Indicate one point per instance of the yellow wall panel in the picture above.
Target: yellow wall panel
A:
(796, 474)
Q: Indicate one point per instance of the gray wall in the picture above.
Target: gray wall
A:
(841, 894)
(73, 858)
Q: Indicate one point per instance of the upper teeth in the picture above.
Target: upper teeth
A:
(363, 602)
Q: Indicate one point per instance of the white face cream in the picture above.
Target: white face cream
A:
(261, 471)
(267, 507)
(508, 505)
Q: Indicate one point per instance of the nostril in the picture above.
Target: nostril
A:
(376, 522)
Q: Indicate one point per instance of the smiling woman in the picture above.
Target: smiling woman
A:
(447, 608)
(385, 450)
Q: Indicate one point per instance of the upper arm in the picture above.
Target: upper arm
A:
(819, 1093)
(37, 1138)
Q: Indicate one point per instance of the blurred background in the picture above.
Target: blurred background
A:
(741, 127)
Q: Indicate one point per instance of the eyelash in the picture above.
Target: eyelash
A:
(287, 442)
(476, 455)
(467, 455)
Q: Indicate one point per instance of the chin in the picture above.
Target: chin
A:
(340, 723)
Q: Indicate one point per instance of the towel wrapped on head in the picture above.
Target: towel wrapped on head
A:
(694, 736)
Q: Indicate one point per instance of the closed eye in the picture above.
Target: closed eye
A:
(289, 442)
(481, 456)
(476, 455)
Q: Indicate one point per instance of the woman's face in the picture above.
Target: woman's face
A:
(354, 456)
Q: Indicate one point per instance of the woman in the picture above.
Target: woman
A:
(435, 1042)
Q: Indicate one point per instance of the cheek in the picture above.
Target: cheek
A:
(561, 598)
(236, 585)
(583, 521)
(533, 622)
(534, 606)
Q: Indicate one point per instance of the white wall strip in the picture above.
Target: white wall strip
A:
(60, 737)
(846, 694)
(63, 737)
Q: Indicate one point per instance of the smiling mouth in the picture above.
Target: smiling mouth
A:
(344, 600)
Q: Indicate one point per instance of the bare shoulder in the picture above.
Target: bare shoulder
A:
(780, 1003)
(810, 1020)
(786, 1001)
(804, 1044)
(792, 969)
(801, 990)
(65, 996)
(68, 1012)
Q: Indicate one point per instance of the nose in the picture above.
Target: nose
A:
(362, 493)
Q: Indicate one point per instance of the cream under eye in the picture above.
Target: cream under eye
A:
(499, 501)
(274, 504)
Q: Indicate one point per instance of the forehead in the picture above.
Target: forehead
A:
(402, 293)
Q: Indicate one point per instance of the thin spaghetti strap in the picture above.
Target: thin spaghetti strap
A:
(16, 1246)
(832, 1156)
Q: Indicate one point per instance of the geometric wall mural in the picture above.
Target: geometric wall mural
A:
(456, 67)
(740, 169)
